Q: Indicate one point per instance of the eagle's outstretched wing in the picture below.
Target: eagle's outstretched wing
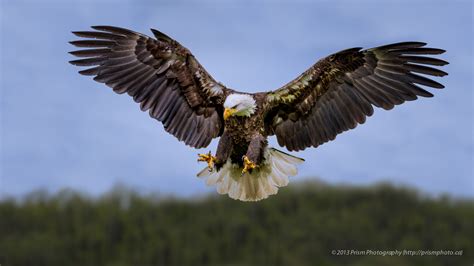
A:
(338, 92)
(161, 75)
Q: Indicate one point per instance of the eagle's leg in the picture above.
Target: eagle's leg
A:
(224, 149)
(207, 158)
(254, 153)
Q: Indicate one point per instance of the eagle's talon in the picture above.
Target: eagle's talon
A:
(207, 158)
(248, 164)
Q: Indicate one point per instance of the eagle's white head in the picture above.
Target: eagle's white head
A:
(239, 105)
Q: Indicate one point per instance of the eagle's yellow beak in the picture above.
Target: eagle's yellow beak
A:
(228, 112)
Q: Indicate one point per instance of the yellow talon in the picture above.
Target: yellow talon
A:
(207, 158)
(248, 164)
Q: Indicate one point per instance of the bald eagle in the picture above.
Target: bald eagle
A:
(334, 95)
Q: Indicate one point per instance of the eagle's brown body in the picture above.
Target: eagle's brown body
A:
(334, 95)
(244, 136)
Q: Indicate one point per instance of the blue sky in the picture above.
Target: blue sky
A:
(60, 129)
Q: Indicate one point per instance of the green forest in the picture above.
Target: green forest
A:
(304, 224)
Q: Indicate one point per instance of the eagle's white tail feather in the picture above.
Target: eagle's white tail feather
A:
(261, 183)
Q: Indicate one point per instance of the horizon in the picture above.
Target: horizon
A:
(312, 183)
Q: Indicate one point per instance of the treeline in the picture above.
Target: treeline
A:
(302, 225)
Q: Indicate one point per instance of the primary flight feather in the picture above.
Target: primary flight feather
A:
(334, 95)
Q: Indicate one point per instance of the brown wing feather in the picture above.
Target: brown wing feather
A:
(338, 92)
(161, 75)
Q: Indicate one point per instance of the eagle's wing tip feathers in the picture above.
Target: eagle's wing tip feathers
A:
(100, 27)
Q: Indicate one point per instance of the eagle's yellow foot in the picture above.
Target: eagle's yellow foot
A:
(248, 164)
(207, 158)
